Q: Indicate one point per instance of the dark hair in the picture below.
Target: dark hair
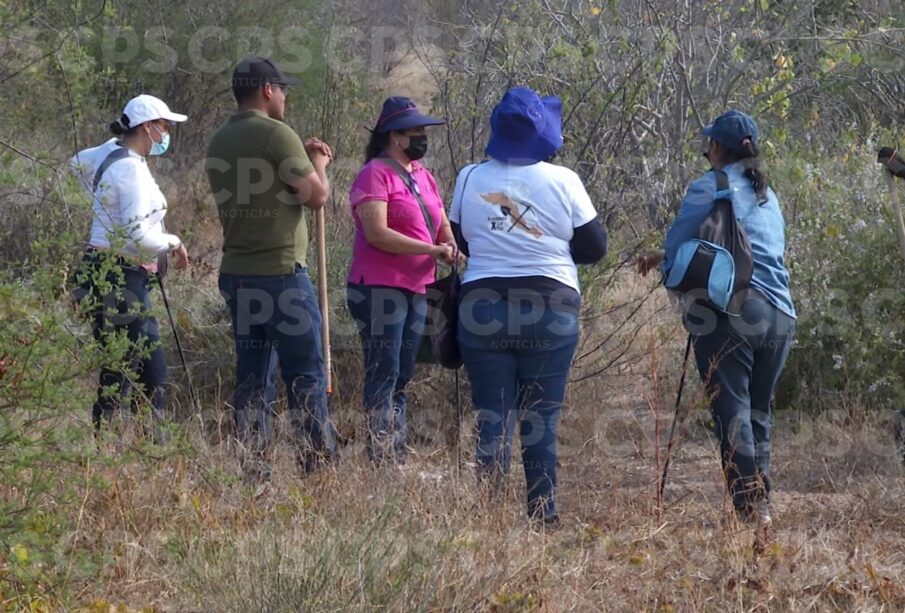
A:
(121, 127)
(243, 92)
(376, 145)
(748, 154)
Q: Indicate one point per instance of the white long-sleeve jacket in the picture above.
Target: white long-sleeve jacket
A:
(128, 205)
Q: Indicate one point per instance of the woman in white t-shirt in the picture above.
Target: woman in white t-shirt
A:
(127, 241)
(525, 224)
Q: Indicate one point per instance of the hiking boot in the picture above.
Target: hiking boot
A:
(755, 513)
(255, 466)
(545, 523)
(543, 513)
(762, 513)
(310, 461)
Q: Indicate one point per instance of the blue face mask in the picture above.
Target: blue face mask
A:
(164, 144)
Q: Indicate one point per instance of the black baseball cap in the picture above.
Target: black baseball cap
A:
(255, 71)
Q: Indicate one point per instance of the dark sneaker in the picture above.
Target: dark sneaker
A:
(548, 519)
(311, 462)
(755, 513)
(762, 513)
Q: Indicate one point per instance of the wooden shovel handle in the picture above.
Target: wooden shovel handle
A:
(892, 183)
(322, 295)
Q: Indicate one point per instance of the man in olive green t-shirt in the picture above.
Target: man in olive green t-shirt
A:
(263, 177)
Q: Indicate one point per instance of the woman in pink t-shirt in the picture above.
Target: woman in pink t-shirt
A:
(401, 231)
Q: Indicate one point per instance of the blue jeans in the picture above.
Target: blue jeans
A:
(390, 323)
(518, 355)
(278, 315)
(120, 296)
(740, 360)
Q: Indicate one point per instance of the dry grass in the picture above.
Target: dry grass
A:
(422, 537)
(184, 533)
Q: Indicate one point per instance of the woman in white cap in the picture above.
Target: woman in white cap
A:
(127, 241)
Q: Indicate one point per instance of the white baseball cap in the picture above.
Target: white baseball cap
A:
(148, 108)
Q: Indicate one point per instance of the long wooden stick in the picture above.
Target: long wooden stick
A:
(322, 295)
(892, 183)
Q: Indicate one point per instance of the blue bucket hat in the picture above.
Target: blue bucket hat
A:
(400, 113)
(525, 128)
(731, 128)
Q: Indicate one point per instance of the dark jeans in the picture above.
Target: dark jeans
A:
(740, 360)
(518, 355)
(117, 296)
(279, 315)
(390, 323)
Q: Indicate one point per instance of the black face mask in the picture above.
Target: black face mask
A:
(417, 147)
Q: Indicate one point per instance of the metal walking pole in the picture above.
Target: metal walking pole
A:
(457, 392)
(458, 424)
(185, 367)
(675, 420)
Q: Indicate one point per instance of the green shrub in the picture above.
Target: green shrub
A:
(847, 276)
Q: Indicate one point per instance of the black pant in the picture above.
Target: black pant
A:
(116, 295)
(740, 360)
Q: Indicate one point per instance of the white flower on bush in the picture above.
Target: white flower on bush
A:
(838, 361)
(882, 382)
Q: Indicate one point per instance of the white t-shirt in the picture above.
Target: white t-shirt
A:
(518, 220)
(128, 205)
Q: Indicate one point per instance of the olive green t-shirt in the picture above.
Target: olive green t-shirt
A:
(250, 158)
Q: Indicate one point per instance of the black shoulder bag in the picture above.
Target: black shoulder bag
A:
(442, 295)
(716, 265)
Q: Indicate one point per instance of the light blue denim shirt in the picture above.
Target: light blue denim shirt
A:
(763, 222)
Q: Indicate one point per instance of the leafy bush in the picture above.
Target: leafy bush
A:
(637, 79)
(847, 273)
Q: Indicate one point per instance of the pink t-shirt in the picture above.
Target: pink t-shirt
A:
(373, 266)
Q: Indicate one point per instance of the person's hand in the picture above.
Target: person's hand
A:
(458, 258)
(893, 161)
(318, 151)
(442, 253)
(180, 257)
(649, 260)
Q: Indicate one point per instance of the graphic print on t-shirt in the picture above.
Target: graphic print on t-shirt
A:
(514, 214)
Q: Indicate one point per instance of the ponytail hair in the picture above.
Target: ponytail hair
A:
(748, 154)
(376, 145)
(121, 126)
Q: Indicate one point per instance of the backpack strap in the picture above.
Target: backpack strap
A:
(465, 181)
(412, 186)
(121, 153)
(114, 156)
(722, 186)
(461, 201)
(724, 192)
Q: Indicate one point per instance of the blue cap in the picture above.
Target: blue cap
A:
(525, 128)
(731, 128)
(400, 113)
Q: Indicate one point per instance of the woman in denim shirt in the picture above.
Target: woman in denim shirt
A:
(740, 358)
